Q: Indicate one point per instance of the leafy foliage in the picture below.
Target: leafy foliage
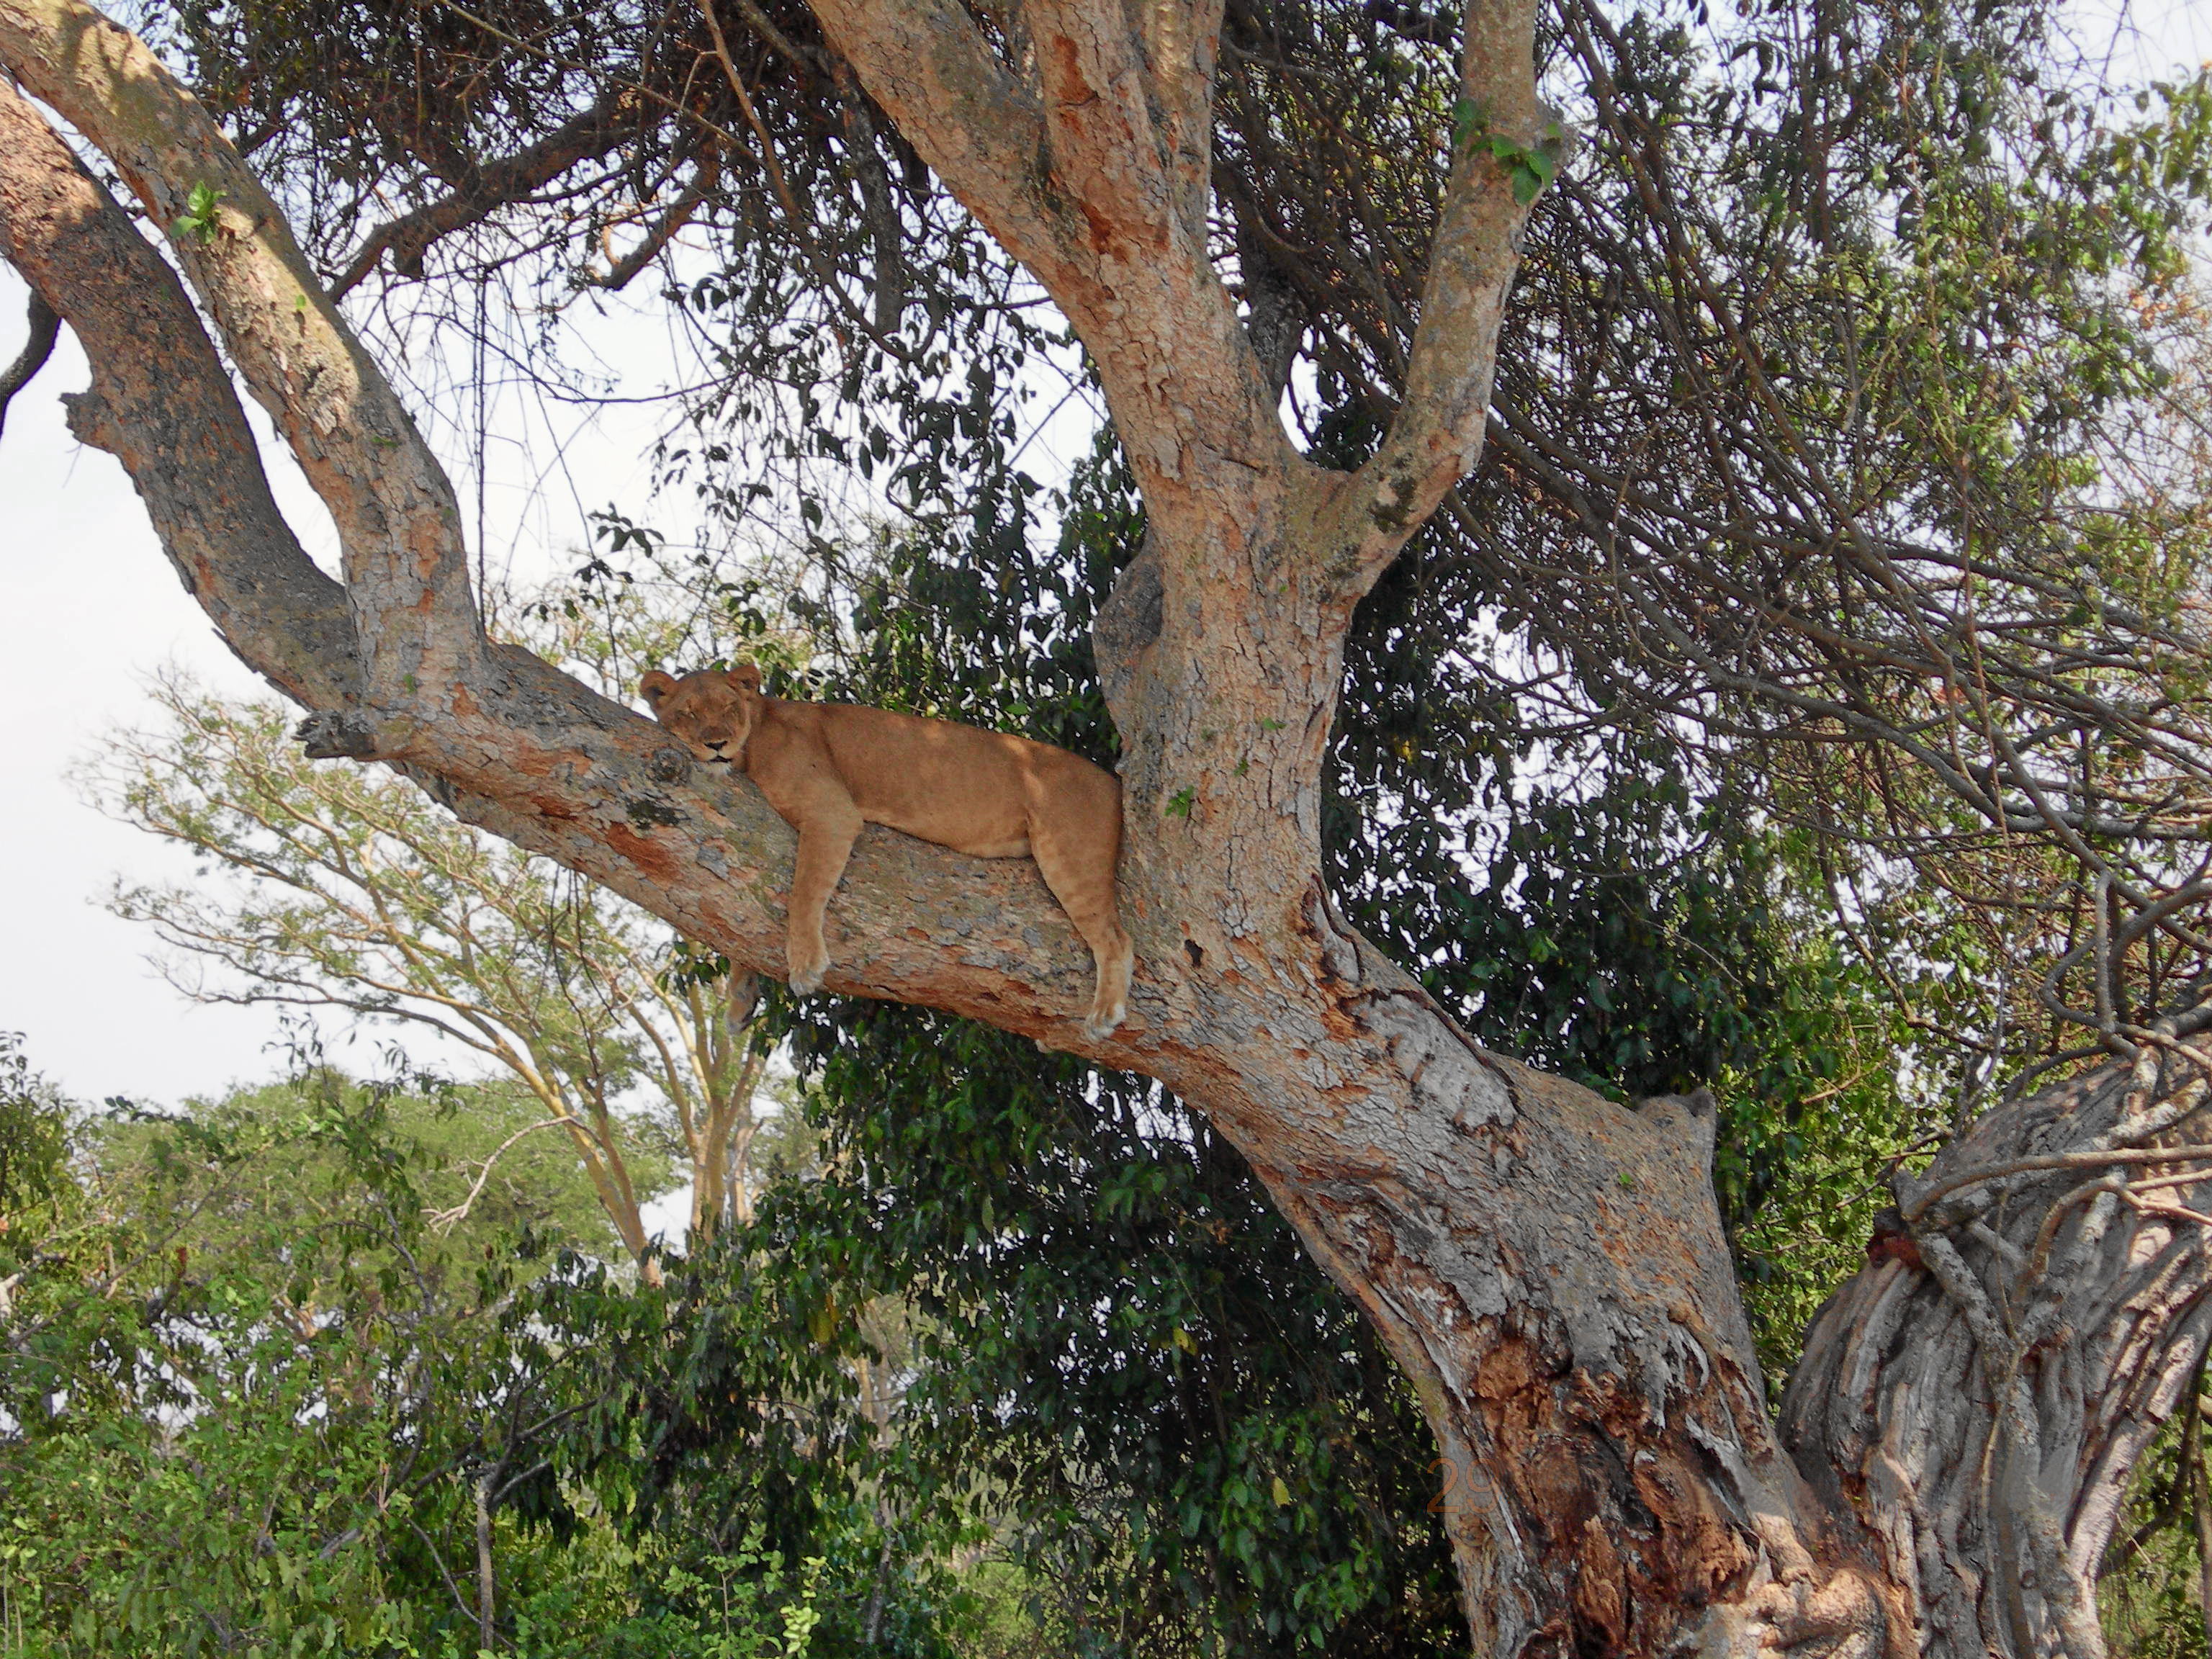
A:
(251, 1402)
(34, 1132)
(1127, 1364)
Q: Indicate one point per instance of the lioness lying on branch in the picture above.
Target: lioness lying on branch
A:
(829, 768)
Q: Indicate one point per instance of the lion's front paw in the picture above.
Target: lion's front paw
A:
(809, 961)
(1102, 1022)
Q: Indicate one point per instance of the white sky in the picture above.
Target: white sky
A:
(89, 608)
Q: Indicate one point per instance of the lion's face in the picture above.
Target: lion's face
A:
(713, 713)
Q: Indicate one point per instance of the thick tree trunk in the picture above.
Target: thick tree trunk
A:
(1980, 1394)
(1547, 1268)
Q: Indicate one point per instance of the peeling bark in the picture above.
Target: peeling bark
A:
(1547, 1266)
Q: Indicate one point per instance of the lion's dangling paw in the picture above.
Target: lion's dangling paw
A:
(1099, 1025)
(1109, 1006)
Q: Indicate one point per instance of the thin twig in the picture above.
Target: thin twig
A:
(446, 1220)
(46, 328)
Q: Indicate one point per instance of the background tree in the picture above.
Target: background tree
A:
(350, 892)
(253, 1400)
(1769, 580)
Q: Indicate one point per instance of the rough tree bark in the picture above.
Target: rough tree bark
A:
(1548, 1268)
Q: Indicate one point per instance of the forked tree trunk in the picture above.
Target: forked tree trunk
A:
(1547, 1268)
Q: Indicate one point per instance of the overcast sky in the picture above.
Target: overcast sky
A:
(88, 609)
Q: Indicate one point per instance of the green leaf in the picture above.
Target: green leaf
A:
(1467, 119)
(199, 220)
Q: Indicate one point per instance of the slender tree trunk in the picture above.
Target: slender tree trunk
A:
(486, 1580)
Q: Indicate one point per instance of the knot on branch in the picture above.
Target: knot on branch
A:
(336, 735)
(1692, 1118)
(668, 765)
(91, 422)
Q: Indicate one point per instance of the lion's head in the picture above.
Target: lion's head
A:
(713, 713)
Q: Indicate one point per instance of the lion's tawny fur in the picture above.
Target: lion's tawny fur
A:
(829, 768)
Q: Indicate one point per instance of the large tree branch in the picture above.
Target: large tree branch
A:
(528, 752)
(407, 576)
(596, 132)
(1077, 181)
(1182, 43)
(1437, 432)
(930, 68)
(161, 401)
(1105, 150)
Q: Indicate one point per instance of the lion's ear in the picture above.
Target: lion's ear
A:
(655, 686)
(747, 675)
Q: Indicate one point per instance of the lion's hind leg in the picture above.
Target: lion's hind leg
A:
(1076, 860)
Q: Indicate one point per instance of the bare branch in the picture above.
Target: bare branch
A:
(46, 328)
(624, 270)
(598, 131)
(397, 520)
(1924, 1201)
(446, 1220)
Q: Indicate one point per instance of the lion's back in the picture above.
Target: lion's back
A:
(958, 786)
